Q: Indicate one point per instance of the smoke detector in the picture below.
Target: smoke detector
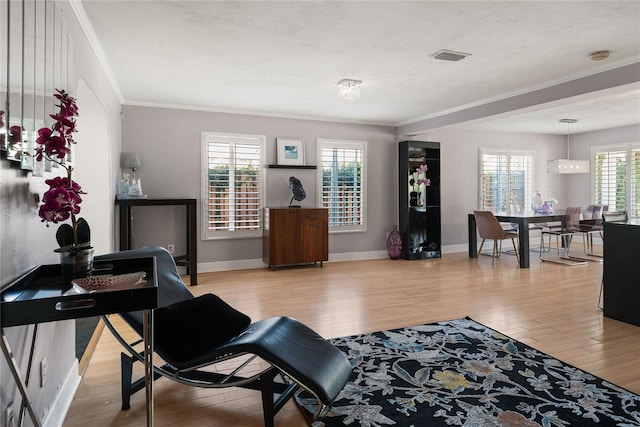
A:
(599, 55)
(449, 55)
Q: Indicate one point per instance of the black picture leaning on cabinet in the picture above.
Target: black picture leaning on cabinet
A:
(419, 199)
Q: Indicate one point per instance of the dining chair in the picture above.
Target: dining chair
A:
(591, 225)
(565, 231)
(490, 228)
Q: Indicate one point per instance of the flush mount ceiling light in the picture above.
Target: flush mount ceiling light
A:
(599, 55)
(449, 55)
(567, 165)
(349, 89)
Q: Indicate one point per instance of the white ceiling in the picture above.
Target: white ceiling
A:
(284, 58)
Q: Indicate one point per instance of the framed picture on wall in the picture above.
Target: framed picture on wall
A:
(290, 151)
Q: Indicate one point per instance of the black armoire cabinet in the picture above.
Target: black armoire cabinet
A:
(419, 180)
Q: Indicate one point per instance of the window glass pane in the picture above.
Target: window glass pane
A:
(234, 180)
(610, 179)
(616, 178)
(634, 204)
(342, 184)
(506, 180)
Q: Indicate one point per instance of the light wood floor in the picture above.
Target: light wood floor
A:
(550, 307)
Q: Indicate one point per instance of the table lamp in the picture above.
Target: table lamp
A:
(130, 161)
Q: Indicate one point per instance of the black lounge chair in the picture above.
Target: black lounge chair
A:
(193, 333)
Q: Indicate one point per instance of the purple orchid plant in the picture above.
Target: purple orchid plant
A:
(62, 200)
(420, 177)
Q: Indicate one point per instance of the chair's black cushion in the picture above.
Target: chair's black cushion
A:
(191, 327)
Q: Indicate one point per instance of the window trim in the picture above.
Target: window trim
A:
(205, 136)
(344, 143)
(508, 152)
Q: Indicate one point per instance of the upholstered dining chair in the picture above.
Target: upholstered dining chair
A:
(565, 231)
(490, 228)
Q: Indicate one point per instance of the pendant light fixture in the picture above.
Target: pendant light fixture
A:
(567, 165)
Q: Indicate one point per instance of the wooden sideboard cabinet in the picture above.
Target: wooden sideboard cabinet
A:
(295, 236)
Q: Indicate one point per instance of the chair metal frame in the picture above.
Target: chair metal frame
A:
(271, 381)
(297, 358)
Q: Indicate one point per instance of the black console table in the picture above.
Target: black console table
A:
(40, 296)
(190, 259)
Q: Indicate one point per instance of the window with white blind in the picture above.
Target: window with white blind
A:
(341, 183)
(616, 178)
(506, 179)
(232, 181)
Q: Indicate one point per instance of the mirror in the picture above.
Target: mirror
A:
(35, 52)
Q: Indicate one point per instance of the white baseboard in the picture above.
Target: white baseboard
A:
(208, 267)
(58, 409)
(455, 248)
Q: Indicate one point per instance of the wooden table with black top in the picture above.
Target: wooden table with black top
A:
(523, 219)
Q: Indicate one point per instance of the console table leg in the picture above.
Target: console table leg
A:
(15, 372)
(148, 363)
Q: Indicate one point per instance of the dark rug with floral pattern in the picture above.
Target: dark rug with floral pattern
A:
(462, 373)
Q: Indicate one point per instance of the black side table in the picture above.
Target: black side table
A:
(190, 259)
(38, 296)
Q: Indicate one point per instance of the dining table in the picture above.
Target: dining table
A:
(523, 219)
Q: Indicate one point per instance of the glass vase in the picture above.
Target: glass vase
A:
(76, 262)
(394, 243)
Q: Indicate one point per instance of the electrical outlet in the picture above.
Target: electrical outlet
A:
(171, 248)
(43, 371)
(8, 417)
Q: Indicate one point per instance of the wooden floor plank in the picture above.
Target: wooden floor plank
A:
(551, 307)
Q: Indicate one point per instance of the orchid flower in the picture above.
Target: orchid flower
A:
(62, 200)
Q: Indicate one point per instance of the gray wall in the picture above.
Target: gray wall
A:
(26, 242)
(460, 166)
(168, 141)
(460, 170)
(579, 186)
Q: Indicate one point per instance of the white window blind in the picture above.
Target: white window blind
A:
(506, 180)
(232, 185)
(342, 183)
(617, 178)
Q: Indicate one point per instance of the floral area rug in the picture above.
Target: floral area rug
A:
(462, 373)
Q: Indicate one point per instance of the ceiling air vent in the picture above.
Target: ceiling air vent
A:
(449, 55)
